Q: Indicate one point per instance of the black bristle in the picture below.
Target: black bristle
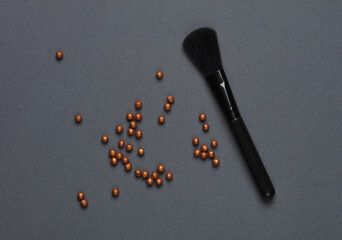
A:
(202, 48)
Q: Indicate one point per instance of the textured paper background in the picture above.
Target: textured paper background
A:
(283, 60)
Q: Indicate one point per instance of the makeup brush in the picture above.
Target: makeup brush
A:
(202, 48)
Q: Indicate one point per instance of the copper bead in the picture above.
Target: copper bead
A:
(115, 192)
(59, 55)
(216, 162)
(138, 134)
(145, 174)
(167, 106)
(84, 203)
(80, 196)
(119, 155)
(78, 118)
(202, 117)
(211, 154)
(129, 116)
(204, 155)
(161, 168)
(128, 166)
(112, 153)
(195, 141)
(161, 119)
(159, 75)
(129, 147)
(121, 143)
(138, 104)
(141, 151)
(214, 143)
(159, 182)
(137, 172)
(125, 160)
(154, 175)
(133, 124)
(169, 176)
(197, 152)
(204, 148)
(119, 129)
(149, 181)
(138, 117)
(130, 131)
(170, 99)
(205, 127)
(113, 161)
(104, 139)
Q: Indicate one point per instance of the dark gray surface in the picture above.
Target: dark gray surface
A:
(283, 59)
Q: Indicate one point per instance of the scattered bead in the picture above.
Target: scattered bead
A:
(130, 131)
(115, 192)
(167, 107)
(149, 181)
(204, 155)
(154, 175)
(169, 176)
(204, 148)
(59, 55)
(141, 151)
(161, 168)
(145, 174)
(202, 117)
(138, 134)
(78, 118)
(161, 119)
(119, 129)
(112, 153)
(125, 160)
(138, 104)
(133, 124)
(128, 166)
(170, 99)
(113, 161)
(104, 139)
(214, 143)
(216, 162)
(129, 147)
(119, 155)
(80, 196)
(121, 143)
(84, 203)
(159, 182)
(195, 141)
(159, 75)
(137, 172)
(138, 117)
(205, 127)
(129, 116)
(211, 154)
(197, 152)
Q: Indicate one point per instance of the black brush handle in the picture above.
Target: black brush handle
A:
(219, 84)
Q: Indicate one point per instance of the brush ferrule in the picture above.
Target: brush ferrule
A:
(219, 84)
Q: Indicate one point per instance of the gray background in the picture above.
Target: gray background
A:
(283, 59)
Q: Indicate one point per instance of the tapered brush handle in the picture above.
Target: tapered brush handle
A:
(252, 158)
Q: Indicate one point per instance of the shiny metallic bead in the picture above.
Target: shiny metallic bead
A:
(59, 55)
(205, 127)
(130, 131)
(121, 143)
(202, 117)
(211, 154)
(161, 119)
(138, 104)
(159, 75)
(204, 148)
(149, 181)
(80, 196)
(125, 160)
(78, 118)
(84, 203)
(214, 143)
(197, 152)
(141, 151)
(138, 134)
(138, 117)
(119, 129)
(154, 175)
(161, 168)
(204, 155)
(137, 172)
(119, 156)
(169, 176)
(112, 153)
(115, 192)
(167, 106)
(195, 141)
(113, 161)
(159, 182)
(129, 147)
(129, 116)
(104, 139)
(170, 99)
(145, 174)
(128, 166)
(216, 162)
(133, 124)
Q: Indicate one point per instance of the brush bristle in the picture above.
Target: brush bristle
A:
(202, 48)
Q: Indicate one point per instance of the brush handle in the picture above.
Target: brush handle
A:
(219, 84)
